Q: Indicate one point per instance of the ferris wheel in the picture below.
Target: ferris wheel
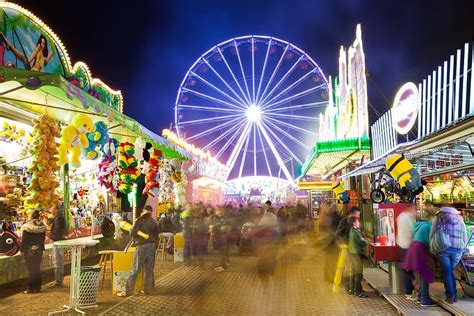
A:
(254, 103)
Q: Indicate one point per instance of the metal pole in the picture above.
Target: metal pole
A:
(66, 200)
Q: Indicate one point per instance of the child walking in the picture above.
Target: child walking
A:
(357, 245)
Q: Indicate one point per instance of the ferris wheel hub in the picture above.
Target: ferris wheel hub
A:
(254, 113)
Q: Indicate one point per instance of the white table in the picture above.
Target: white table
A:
(76, 246)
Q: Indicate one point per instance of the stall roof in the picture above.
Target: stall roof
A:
(22, 96)
(447, 150)
(333, 155)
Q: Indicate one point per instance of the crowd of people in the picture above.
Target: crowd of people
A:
(205, 229)
(417, 246)
(217, 228)
(262, 229)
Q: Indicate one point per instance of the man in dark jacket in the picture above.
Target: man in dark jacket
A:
(32, 247)
(144, 233)
(58, 232)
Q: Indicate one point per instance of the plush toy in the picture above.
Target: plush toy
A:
(127, 167)
(107, 174)
(166, 185)
(98, 138)
(179, 182)
(403, 171)
(116, 219)
(152, 185)
(9, 241)
(42, 189)
(340, 192)
(73, 137)
(142, 154)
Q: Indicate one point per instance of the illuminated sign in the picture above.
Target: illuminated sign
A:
(320, 186)
(405, 108)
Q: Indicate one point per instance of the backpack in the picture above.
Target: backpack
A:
(440, 240)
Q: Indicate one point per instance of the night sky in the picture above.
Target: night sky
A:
(146, 50)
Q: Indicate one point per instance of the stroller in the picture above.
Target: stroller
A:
(246, 244)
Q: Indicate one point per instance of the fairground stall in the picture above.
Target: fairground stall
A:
(63, 140)
(206, 176)
(431, 125)
(343, 134)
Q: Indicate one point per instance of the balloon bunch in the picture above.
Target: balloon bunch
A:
(152, 177)
(43, 185)
(127, 167)
(107, 174)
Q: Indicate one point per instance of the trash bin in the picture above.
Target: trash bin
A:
(88, 285)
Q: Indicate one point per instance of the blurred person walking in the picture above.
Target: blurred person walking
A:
(404, 237)
(342, 238)
(328, 223)
(58, 232)
(267, 244)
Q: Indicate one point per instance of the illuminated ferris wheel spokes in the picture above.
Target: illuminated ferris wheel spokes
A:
(253, 102)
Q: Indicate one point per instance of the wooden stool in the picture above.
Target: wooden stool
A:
(106, 258)
(162, 243)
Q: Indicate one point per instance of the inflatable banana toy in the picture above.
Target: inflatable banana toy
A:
(403, 171)
(340, 192)
(128, 227)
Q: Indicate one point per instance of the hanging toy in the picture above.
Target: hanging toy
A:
(152, 177)
(9, 241)
(340, 192)
(166, 185)
(179, 182)
(127, 167)
(107, 174)
(73, 137)
(403, 171)
(98, 138)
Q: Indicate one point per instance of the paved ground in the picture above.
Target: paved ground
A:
(298, 289)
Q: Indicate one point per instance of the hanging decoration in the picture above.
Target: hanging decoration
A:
(165, 183)
(152, 177)
(42, 189)
(403, 171)
(340, 192)
(127, 167)
(96, 139)
(180, 182)
(142, 154)
(9, 133)
(107, 174)
(73, 137)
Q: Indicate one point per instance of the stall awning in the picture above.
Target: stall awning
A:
(330, 156)
(25, 93)
(449, 150)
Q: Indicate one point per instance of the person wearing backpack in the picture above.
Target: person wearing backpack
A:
(449, 221)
